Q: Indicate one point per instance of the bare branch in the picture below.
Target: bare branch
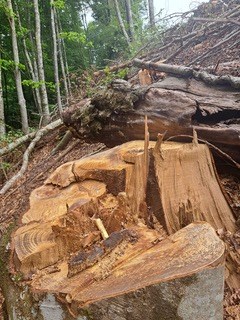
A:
(27, 153)
(217, 20)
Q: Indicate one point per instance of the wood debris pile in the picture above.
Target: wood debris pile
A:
(206, 38)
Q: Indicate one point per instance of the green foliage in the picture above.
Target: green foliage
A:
(59, 4)
(5, 165)
(10, 65)
(108, 43)
(104, 81)
(22, 32)
(74, 36)
(90, 43)
(10, 137)
(37, 84)
(106, 34)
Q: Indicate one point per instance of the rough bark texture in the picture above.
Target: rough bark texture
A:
(174, 105)
(190, 72)
(60, 250)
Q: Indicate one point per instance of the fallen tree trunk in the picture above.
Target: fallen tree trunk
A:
(37, 137)
(95, 271)
(189, 72)
(174, 105)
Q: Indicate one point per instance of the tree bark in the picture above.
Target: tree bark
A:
(33, 73)
(121, 23)
(151, 13)
(18, 77)
(189, 72)
(174, 105)
(2, 118)
(61, 59)
(43, 90)
(130, 19)
(55, 57)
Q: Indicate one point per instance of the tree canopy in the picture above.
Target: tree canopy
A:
(55, 41)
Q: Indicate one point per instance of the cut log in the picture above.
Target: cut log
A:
(60, 249)
(189, 72)
(175, 105)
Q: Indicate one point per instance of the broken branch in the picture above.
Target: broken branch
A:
(217, 20)
(27, 153)
(13, 145)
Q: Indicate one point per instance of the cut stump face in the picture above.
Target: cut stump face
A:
(140, 197)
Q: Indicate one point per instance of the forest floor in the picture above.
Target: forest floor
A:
(223, 59)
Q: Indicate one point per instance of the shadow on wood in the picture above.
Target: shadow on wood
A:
(59, 247)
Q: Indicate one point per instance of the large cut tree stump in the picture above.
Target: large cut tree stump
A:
(129, 234)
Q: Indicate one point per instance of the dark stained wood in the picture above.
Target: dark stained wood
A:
(175, 105)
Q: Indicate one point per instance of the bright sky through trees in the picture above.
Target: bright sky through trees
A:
(171, 6)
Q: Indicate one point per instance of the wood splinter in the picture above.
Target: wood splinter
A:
(101, 228)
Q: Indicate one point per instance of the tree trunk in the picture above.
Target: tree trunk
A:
(61, 59)
(18, 77)
(121, 23)
(33, 73)
(43, 90)
(55, 57)
(2, 118)
(128, 259)
(174, 105)
(130, 19)
(151, 13)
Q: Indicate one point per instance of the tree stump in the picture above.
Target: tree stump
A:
(153, 256)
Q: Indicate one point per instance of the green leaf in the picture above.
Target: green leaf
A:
(74, 36)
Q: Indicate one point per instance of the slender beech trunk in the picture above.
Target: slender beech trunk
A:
(43, 90)
(35, 68)
(33, 73)
(120, 21)
(64, 54)
(60, 52)
(130, 18)
(2, 119)
(151, 13)
(18, 77)
(55, 57)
